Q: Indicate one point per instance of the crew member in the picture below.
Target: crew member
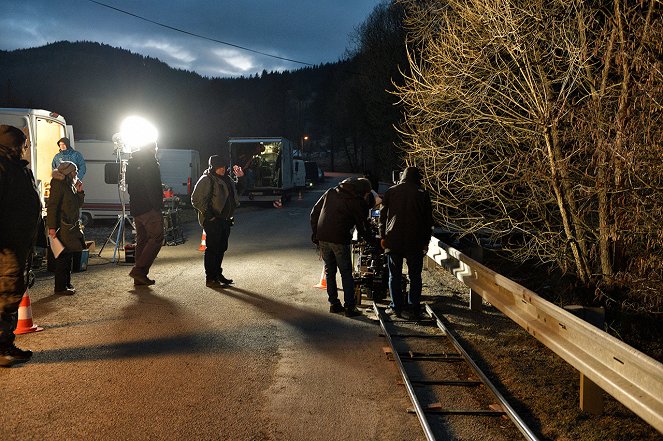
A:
(215, 198)
(333, 219)
(20, 212)
(146, 203)
(67, 153)
(406, 223)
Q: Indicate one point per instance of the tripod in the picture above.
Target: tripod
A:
(123, 218)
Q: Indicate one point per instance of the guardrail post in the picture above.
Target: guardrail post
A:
(476, 301)
(591, 396)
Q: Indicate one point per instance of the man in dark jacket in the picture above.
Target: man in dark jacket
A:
(333, 219)
(215, 198)
(20, 210)
(406, 222)
(146, 202)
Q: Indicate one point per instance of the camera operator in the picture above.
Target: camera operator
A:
(332, 220)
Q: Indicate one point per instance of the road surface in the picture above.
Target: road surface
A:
(262, 360)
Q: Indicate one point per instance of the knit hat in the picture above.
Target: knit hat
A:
(11, 137)
(360, 186)
(363, 186)
(67, 168)
(216, 161)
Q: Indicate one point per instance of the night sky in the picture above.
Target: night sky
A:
(308, 31)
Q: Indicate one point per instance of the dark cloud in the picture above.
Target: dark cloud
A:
(308, 31)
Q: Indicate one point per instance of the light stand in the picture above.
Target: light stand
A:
(123, 218)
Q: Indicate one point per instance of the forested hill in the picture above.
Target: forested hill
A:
(95, 85)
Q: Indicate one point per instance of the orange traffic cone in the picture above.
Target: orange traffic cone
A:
(323, 280)
(203, 244)
(277, 203)
(25, 324)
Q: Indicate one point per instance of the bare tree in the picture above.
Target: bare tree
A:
(538, 123)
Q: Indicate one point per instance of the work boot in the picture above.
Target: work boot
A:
(335, 308)
(213, 283)
(225, 281)
(352, 311)
(11, 355)
(65, 292)
(141, 280)
(393, 311)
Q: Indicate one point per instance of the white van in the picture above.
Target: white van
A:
(180, 170)
(103, 199)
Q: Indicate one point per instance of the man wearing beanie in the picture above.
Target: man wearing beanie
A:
(145, 204)
(215, 198)
(67, 153)
(20, 211)
(406, 223)
(333, 218)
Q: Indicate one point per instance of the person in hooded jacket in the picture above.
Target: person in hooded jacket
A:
(406, 222)
(20, 213)
(67, 153)
(143, 178)
(215, 198)
(64, 202)
(333, 219)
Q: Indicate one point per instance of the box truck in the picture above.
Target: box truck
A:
(180, 170)
(270, 173)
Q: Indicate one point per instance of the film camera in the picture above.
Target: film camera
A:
(371, 273)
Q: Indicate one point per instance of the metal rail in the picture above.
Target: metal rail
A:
(418, 409)
(408, 385)
(520, 424)
(630, 376)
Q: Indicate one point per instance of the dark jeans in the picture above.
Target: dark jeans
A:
(415, 264)
(63, 266)
(337, 256)
(149, 238)
(217, 232)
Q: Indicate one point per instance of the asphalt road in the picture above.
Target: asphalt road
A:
(262, 360)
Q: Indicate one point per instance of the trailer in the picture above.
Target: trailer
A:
(270, 174)
(103, 199)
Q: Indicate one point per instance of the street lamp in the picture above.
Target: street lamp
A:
(304, 138)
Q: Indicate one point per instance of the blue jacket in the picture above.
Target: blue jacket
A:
(70, 155)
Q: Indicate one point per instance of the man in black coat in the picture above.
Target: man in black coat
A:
(146, 202)
(20, 210)
(406, 222)
(333, 219)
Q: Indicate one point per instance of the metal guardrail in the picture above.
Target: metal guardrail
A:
(631, 377)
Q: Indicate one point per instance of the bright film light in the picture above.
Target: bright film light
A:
(137, 132)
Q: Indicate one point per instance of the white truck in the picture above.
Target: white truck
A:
(43, 130)
(103, 199)
(180, 170)
(271, 173)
